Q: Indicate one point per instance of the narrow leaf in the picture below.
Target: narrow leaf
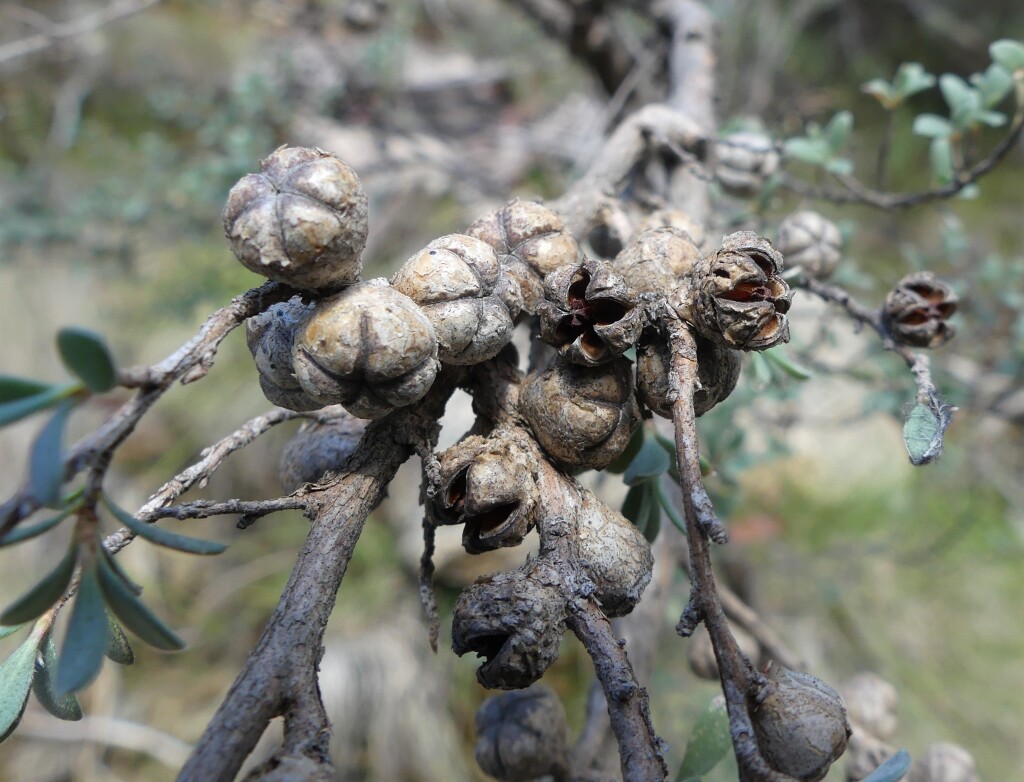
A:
(956, 91)
(635, 507)
(652, 526)
(650, 462)
(813, 151)
(134, 614)
(63, 707)
(163, 537)
(85, 354)
(28, 531)
(893, 770)
(994, 84)
(118, 571)
(22, 408)
(669, 508)
(12, 388)
(779, 358)
(81, 656)
(923, 432)
(911, 78)
(46, 462)
(118, 648)
(6, 630)
(1009, 54)
(44, 594)
(15, 682)
(708, 743)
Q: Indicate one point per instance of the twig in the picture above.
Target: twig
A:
(280, 676)
(918, 363)
(203, 509)
(740, 681)
(57, 32)
(855, 192)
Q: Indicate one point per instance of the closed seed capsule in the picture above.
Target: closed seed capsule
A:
(369, 348)
(301, 221)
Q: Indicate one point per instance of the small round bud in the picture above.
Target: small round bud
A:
(944, 762)
(657, 260)
(301, 220)
(614, 554)
(318, 448)
(369, 348)
(470, 301)
(674, 218)
(515, 621)
(735, 296)
(744, 161)
(522, 735)
(810, 241)
(531, 242)
(871, 704)
(589, 314)
(916, 311)
(583, 417)
(487, 485)
(718, 371)
(701, 654)
(800, 724)
(271, 339)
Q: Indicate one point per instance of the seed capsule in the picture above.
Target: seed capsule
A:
(369, 348)
(718, 371)
(944, 762)
(487, 485)
(515, 621)
(916, 311)
(589, 313)
(658, 260)
(673, 218)
(522, 735)
(470, 301)
(871, 704)
(800, 724)
(735, 296)
(301, 221)
(583, 417)
(614, 554)
(810, 241)
(271, 340)
(318, 448)
(531, 242)
(744, 161)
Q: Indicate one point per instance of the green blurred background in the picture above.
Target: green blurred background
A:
(117, 149)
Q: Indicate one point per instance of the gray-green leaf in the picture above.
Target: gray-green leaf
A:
(911, 78)
(28, 531)
(708, 743)
(23, 407)
(64, 707)
(650, 462)
(163, 537)
(6, 630)
(81, 656)
(44, 594)
(932, 125)
(118, 648)
(893, 770)
(46, 462)
(134, 614)
(923, 432)
(85, 354)
(1009, 54)
(15, 682)
(13, 388)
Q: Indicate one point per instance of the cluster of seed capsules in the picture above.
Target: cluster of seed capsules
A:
(374, 346)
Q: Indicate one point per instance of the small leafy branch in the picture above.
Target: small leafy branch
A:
(332, 347)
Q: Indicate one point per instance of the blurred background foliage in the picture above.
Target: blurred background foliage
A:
(117, 148)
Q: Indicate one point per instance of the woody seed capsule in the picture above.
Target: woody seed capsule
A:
(470, 301)
(810, 241)
(657, 260)
(301, 221)
(589, 313)
(916, 311)
(369, 348)
(583, 417)
(718, 371)
(270, 337)
(735, 296)
(531, 241)
(744, 161)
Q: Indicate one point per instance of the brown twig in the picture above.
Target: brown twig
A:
(740, 682)
(280, 676)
